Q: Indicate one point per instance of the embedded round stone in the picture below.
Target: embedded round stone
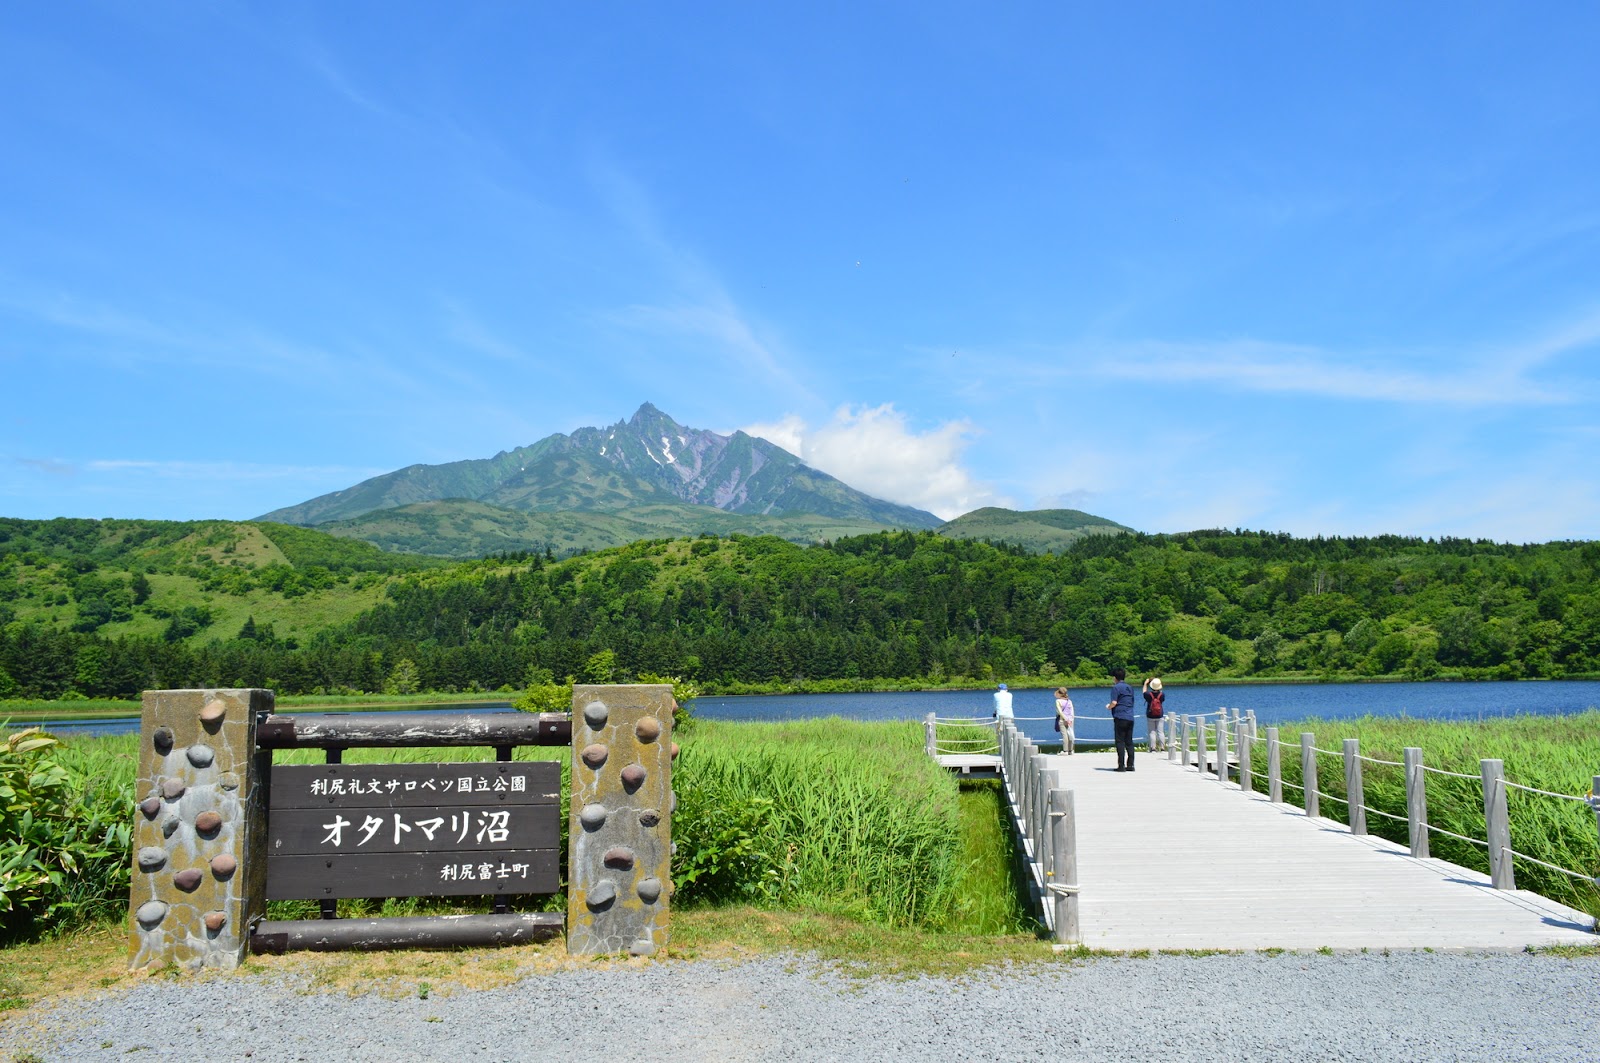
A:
(618, 858)
(162, 739)
(648, 729)
(152, 858)
(650, 817)
(215, 921)
(150, 806)
(593, 817)
(223, 865)
(674, 751)
(211, 716)
(169, 826)
(201, 756)
(595, 714)
(228, 781)
(633, 777)
(173, 789)
(208, 823)
(595, 755)
(601, 894)
(188, 880)
(150, 913)
(650, 890)
(642, 947)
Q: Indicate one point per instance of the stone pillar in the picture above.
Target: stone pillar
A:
(619, 852)
(200, 828)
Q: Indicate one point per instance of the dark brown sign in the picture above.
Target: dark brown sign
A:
(413, 830)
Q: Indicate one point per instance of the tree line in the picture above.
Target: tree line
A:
(740, 611)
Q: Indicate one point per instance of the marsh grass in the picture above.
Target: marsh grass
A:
(837, 815)
(1560, 754)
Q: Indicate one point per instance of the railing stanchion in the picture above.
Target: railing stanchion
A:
(1274, 768)
(1246, 768)
(1200, 744)
(1308, 772)
(1170, 732)
(1184, 726)
(1354, 791)
(1255, 731)
(930, 740)
(1064, 850)
(1594, 801)
(1416, 802)
(1222, 749)
(1035, 801)
(1497, 824)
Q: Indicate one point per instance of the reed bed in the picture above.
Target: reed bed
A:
(1559, 754)
(833, 814)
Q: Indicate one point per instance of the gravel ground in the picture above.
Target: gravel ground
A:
(1411, 1006)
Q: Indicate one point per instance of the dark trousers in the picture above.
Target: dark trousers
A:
(1124, 733)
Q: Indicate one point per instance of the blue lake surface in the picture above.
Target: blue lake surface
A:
(1273, 703)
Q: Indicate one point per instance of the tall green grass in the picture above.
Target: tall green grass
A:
(1560, 754)
(833, 815)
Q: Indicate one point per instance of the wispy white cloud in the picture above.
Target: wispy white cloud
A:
(875, 450)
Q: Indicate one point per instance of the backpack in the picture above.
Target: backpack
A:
(1157, 706)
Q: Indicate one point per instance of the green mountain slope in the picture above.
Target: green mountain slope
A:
(464, 528)
(1041, 531)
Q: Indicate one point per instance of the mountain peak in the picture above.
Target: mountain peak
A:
(646, 460)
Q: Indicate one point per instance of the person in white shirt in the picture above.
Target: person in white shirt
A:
(1002, 704)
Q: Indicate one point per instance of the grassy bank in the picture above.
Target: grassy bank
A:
(1558, 754)
(837, 817)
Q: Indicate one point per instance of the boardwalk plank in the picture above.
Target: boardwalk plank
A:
(1171, 859)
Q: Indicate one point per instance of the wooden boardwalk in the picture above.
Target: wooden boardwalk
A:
(1171, 859)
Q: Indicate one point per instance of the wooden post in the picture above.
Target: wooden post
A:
(1274, 768)
(1183, 739)
(1354, 791)
(1169, 726)
(1222, 749)
(1416, 802)
(1308, 772)
(1064, 850)
(1029, 784)
(1200, 744)
(930, 741)
(1255, 732)
(1246, 769)
(1497, 824)
(1035, 815)
(1047, 782)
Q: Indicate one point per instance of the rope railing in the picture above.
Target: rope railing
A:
(1491, 777)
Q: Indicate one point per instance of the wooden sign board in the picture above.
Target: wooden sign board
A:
(413, 830)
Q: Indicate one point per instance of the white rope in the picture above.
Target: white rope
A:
(1546, 793)
(1453, 834)
(1452, 774)
(1060, 889)
(1387, 815)
(1575, 874)
(1375, 760)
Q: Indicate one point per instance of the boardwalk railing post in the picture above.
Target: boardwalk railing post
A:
(1036, 809)
(1354, 791)
(1029, 785)
(1246, 769)
(1594, 801)
(1184, 726)
(1498, 824)
(1308, 772)
(1049, 779)
(1255, 732)
(1416, 802)
(1274, 768)
(1064, 849)
(1170, 734)
(1200, 743)
(1222, 749)
(930, 741)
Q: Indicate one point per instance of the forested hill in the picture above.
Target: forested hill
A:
(909, 606)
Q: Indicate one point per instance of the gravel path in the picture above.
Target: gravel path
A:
(1411, 1006)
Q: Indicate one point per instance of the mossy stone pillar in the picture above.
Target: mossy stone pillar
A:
(199, 835)
(619, 852)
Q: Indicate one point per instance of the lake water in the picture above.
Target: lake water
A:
(1272, 703)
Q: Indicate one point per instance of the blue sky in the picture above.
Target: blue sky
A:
(1315, 268)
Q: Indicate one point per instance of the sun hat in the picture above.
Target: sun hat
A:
(1155, 684)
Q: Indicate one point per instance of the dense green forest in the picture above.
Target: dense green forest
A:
(740, 611)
